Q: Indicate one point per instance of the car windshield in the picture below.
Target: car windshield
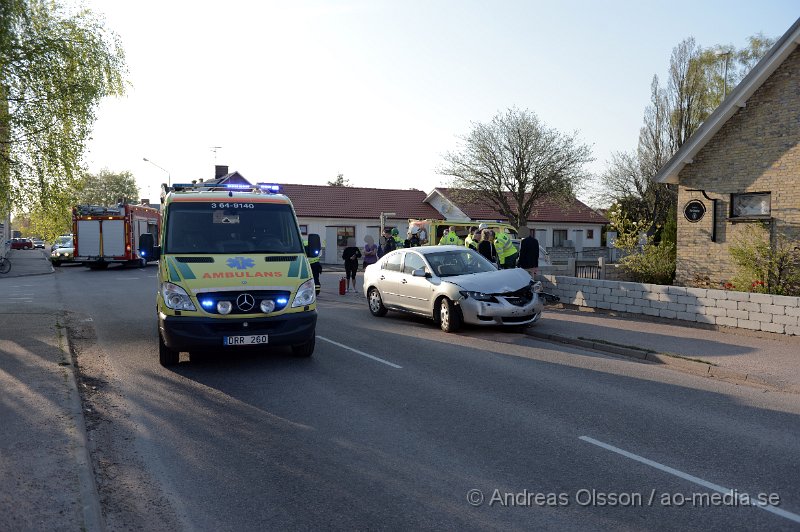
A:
(63, 242)
(458, 262)
(232, 227)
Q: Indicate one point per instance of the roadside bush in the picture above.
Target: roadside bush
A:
(643, 260)
(768, 264)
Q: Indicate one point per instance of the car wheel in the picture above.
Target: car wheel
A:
(376, 303)
(449, 316)
(304, 350)
(166, 356)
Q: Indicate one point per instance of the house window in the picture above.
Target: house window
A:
(344, 234)
(559, 237)
(589, 234)
(754, 205)
(303, 229)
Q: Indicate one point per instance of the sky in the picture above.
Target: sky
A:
(300, 91)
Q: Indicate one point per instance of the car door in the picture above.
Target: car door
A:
(414, 292)
(388, 278)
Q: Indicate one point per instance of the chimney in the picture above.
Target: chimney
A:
(220, 171)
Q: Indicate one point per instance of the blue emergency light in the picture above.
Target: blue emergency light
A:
(207, 303)
(238, 186)
(270, 187)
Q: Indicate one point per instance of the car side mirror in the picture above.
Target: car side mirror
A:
(420, 272)
(147, 247)
(314, 247)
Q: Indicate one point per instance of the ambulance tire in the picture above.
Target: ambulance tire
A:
(304, 350)
(166, 356)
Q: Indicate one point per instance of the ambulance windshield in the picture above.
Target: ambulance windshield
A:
(231, 227)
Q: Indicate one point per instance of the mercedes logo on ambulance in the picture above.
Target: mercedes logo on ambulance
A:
(245, 302)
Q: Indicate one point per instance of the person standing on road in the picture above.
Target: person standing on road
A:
(486, 246)
(528, 252)
(351, 254)
(470, 240)
(370, 251)
(506, 252)
(451, 238)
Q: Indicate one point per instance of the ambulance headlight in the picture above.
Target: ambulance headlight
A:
(224, 307)
(306, 294)
(267, 306)
(176, 297)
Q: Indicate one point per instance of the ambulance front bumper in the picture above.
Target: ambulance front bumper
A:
(184, 333)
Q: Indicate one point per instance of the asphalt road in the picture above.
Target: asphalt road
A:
(393, 424)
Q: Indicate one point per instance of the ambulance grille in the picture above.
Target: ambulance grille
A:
(194, 260)
(284, 258)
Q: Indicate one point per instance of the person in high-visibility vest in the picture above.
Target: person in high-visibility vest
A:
(451, 238)
(469, 240)
(399, 242)
(506, 252)
(316, 269)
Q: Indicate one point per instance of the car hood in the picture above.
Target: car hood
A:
(496, 282)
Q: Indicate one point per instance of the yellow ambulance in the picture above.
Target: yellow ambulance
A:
(233, 271)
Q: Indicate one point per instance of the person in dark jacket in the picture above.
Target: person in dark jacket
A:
(486, 246)
(351, 254)
(528, 252)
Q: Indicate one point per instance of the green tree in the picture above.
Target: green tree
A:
(340, 181)
(55, 67)
(107, 188)
(643, 259)
(695, 85)
(515, 160)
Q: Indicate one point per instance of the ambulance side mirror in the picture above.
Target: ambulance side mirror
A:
(147, 247)
(314, 247)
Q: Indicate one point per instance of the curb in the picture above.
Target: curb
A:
(90, 497)
(676, 362)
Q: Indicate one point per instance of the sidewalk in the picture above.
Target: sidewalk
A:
(772, 361)
(25, 262)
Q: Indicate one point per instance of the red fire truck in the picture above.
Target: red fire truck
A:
(106, 235)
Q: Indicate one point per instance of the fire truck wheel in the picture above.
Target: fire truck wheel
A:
(304, 350)
(166, 356)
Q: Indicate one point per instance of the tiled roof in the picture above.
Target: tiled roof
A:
(545, 211)
(353, 202)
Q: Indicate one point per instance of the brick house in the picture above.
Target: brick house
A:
(741, 167)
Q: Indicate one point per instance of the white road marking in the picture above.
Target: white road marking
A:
(695, 480)
(362, 353)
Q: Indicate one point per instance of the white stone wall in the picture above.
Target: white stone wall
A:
(758, 312)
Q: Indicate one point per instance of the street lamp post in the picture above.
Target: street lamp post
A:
(169, 176)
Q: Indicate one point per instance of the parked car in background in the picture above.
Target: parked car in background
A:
(38, 243)
(452, 284)
(62, 250)
(21, 243)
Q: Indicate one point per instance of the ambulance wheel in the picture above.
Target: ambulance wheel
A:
(376, 303)
(166, 356)
(449, 316)
(304, 350)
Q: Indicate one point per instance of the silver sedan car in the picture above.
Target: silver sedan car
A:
(452, 284)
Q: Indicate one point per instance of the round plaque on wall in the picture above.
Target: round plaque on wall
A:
(694, 211)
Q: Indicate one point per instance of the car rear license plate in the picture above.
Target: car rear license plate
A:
(253, 339)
